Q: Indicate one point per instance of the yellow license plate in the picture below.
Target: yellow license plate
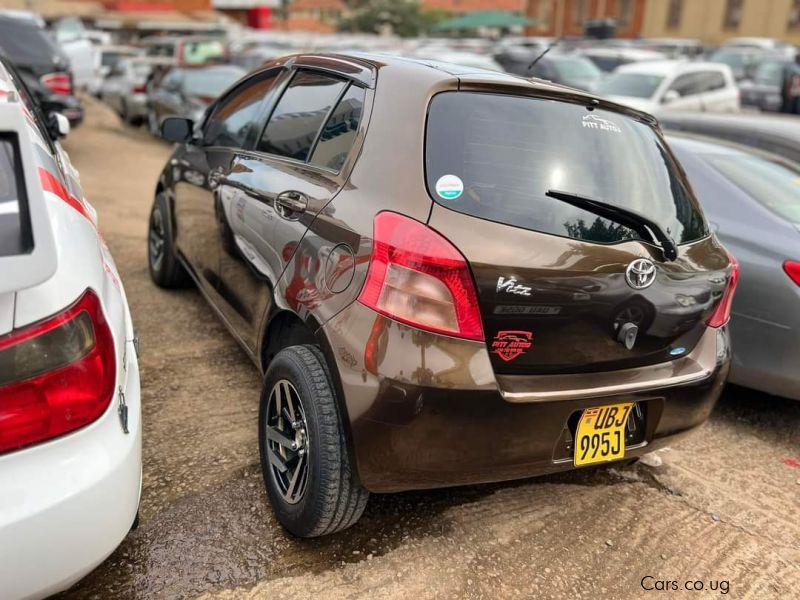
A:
(601, 434)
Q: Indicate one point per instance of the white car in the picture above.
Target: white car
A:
(673, 85)
(70, 426)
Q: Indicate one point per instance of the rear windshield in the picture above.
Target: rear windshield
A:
(15, 232)
(201, 52)
(773, 184)
(495, 157)
(26, 44)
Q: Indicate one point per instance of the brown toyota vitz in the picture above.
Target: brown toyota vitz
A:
(446, 276)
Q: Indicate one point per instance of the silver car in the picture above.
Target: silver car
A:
(125, 89)
(752, 199)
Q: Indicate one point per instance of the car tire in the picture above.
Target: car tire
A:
(166, 270)
(152, 122)
(326, 497)
(124, 114)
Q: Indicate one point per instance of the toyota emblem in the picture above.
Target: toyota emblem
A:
(641, 273)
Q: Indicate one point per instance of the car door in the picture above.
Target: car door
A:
(716, 96)
(113, 85)
(688, 88)
(201, 168)
(273, 194)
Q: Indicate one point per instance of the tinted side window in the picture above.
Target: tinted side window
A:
(237, 116)
(15, 234)
(713, 80)
(340, 131)
(687, 85)
(297, 118)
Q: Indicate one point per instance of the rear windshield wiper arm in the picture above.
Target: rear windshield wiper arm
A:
(633, 220)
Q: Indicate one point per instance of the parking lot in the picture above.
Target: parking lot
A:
(720, 512)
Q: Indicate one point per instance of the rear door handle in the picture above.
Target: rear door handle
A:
(290, 205)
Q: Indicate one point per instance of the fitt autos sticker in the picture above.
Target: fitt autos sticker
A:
(449, 187)
(595, 122)
(509, 345)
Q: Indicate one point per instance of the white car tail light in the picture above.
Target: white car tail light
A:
(56, 375)
(58, 83)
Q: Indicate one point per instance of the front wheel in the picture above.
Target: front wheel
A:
(304, 459)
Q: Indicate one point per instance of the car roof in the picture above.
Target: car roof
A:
(624, 52)
(780, 125)
(670, 67)
(703, 145)
(364, 67)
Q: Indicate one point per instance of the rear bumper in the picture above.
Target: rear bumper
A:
(65, 505)
(426, 411)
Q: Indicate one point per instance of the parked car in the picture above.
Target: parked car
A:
(566, 69)
(42, 66)
(70, 34)
(608, 59)
(70, 440)
(255, 57)
(742, 61)
(187, 92)
(125, 89)
(416, 282)
(674, 47)
(777, 134)
(763, 43)
(109, 56)
(752, 201)
(765, 90)
(657, 87)
(184, 51)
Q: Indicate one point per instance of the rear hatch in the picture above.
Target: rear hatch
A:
(562, 289)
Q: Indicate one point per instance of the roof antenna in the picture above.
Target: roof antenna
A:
(542, 55)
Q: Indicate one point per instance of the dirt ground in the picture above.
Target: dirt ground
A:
(722, 510)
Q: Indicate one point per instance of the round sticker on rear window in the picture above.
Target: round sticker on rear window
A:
(449, 187)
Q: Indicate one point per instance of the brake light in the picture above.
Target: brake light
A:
(792, 269)
(56, 375)
(58, 83)
(722, 314)
(139, 89)
(419, 278)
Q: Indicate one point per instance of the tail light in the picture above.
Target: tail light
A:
(58, 83)
(419, 278)
(56, 375)
(792, 269)
(140, 89)
(722, 314)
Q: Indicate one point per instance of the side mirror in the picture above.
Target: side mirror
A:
(670, 96)
(58, 126)
(177, 130)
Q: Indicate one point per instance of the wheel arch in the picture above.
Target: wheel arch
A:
(285, 328)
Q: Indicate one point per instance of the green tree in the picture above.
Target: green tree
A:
(405, 17)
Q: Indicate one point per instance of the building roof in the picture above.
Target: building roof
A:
(465, 6)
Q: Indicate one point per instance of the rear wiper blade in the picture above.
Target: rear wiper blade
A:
(633, 220)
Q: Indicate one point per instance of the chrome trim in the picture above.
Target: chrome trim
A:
(695, 367)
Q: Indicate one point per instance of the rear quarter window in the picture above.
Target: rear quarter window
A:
(294, 124)
(15, 229)
(495, 156)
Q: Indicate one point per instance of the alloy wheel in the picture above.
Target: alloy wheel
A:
(156, 238)
(288, 445)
